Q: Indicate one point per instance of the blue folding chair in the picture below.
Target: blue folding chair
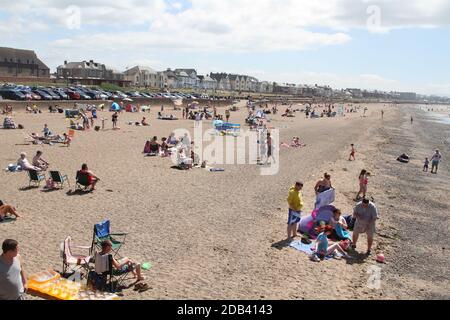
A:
(102, 233)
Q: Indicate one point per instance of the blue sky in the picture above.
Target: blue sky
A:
(385, 45)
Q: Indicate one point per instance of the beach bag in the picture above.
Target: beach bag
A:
(350, 222)
(49, 183)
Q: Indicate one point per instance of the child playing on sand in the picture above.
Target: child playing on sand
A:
(352, 153)
(67, 139)
(363, 182)
(115, 116)
(323, 249)
(425, 166)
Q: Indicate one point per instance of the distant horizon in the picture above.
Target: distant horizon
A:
(372, 45)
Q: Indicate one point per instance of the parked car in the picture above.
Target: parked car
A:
(44, 95)
(52, 94)
(73, 95)
(12, 94)
(83, 95)
(26, 94)
(61, 93)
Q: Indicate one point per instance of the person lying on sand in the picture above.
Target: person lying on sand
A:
(6, 209)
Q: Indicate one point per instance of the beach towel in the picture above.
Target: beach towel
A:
(309, 249)
(325, 198)
(341, 233)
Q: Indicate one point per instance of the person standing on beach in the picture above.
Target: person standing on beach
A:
(352, 153)
(435, 160)
(382, 114)
(227, 115)
(13, 282)
(115, 116)
(412, 120)
(365, 214)
(295, 203)
(363, 182)
(425, 166)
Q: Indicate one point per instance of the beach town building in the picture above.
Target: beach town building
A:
(186, 78)
(222, 81)
(206, 82)
(19, 63)
(264, 87)
(141, 76)
(90, 73)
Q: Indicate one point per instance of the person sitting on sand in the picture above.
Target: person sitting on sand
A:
(164, 147)
(25, 164)
(124, 264)
(144, 122)
(67, 139)
(46, 131)
(323, 184)
(154, 146)
(172, 141)
(8, 123)
(184, 162)
(323, 249)
(340, 226)
(6, 209)
(39, 162)
(92, 179)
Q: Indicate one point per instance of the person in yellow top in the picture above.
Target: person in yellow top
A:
(295, 203)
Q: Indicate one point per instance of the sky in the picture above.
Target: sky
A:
(389, 45)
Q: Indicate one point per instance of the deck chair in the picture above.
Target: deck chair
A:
(58, 178)
(35, 177)
(106, 277)
(102, 233)
(82, 181)
(74, 262)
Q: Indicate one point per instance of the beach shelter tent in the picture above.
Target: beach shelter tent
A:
(115, 107)
(325, 213)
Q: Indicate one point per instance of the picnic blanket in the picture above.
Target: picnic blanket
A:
(309, 249)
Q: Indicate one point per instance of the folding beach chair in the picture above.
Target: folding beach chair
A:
(58, 178)
(35, 177)
(82, 181)
(102, 233)
(106, 277)
(74, 262)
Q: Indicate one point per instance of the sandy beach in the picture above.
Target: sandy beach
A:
(221, 235)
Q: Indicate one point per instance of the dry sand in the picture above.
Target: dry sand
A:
(220, 235)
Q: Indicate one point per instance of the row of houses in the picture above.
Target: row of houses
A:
(25, 64)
